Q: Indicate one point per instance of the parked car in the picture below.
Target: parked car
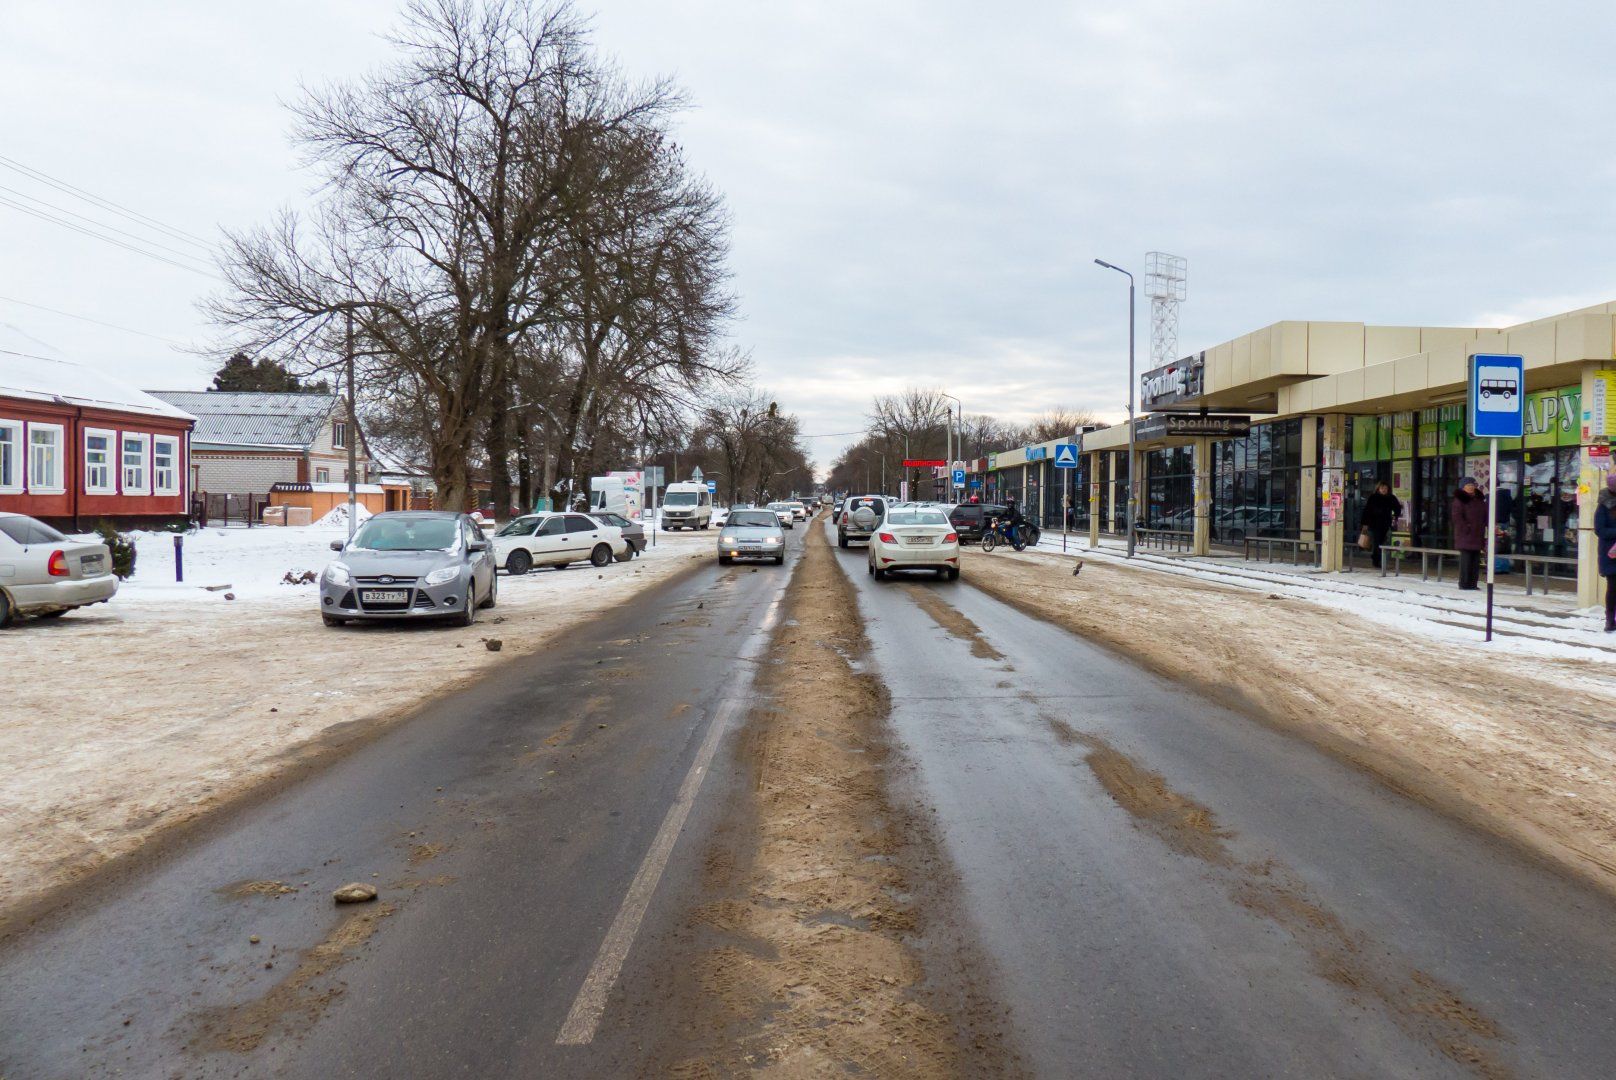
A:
(752, 534)
(43, 573)
(914, 538)
(860, 515)
(787, 516)
(410, 564)
(633, 533)
(970, 520)
(558, 540)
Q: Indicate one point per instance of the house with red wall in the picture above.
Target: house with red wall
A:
(77, 445)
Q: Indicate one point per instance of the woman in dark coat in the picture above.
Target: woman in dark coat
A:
(1605, 529)
(1380, 512)
(1469, 512)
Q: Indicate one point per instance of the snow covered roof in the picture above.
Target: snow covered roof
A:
(287, 421)
(34, 371)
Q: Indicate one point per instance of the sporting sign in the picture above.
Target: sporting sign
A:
(1497, 396)
(1065, 455)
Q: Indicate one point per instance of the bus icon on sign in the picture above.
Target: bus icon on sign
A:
(1497, 389)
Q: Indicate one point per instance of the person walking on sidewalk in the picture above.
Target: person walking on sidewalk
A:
(1469, 513)
(1605, 530)
(1380, 512)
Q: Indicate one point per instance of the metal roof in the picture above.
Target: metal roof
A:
(253, 419)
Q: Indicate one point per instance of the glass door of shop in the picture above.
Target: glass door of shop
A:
(1547, 500)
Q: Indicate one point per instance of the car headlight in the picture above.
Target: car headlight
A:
(771, 540)
(726, 539)
(337, 574)
(442, 576)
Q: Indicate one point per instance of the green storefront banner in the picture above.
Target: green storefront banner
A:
(1442, 431)
(1552, 419)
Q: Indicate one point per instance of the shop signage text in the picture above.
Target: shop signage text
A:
(1173, 383)
(1183, 425)
(924, 463)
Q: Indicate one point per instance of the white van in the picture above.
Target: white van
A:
(687, 506)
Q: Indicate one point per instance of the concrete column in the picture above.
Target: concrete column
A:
(1094, 498)
(1590, 482)
(1333, 482)
(1201, 543)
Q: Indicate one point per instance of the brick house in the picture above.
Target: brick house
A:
(77, 445)
(245, 443)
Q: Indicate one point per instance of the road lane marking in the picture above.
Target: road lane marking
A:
(587, 1008)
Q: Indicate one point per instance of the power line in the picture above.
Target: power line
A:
(97, 322)
(834, 434)
(108, 239)
(107, 204)
(98, 224)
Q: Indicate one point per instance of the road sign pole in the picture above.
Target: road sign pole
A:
(1492, 529)
(1066, 510)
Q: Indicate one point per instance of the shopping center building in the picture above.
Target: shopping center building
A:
(1283, 432)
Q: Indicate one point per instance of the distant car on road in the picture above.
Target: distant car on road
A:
(410, 564)
(799, 509)
(557, 539)
(43, 573)
(633, 532)
(914, 538)
(787, 516)
(970, 520)
(752, 534)
(860, 515)
(686, 506)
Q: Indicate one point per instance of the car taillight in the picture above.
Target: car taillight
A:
(888, 538)
(951, 538)
(57, 567)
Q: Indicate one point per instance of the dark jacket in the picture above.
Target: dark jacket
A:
(1469, 521)
(1605, 529)
(1380, 512)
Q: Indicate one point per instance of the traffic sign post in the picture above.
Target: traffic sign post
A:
(1066, 458)
(1497, 411)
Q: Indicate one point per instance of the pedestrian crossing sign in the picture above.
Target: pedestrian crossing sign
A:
(1065, 455)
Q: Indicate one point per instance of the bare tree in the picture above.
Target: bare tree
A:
(1056, 423)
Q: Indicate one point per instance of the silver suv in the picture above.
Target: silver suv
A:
(859, 517)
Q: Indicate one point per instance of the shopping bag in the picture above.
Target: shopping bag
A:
(1365, 541)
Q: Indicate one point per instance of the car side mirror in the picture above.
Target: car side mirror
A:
(477, 545)
(336, 545)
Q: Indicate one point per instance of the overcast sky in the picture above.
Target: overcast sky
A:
(919, 189)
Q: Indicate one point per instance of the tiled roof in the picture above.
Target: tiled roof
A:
(253, 419)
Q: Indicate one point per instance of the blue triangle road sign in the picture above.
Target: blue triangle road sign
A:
(1065, 455)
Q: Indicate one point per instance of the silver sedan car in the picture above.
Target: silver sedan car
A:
(44, 573)
(410, 564)
(752, 534)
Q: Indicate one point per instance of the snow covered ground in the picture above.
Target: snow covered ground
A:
(124, 719)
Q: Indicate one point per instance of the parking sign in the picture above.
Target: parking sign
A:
(1497, 396)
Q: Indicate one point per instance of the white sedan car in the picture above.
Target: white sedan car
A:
(43, 573)
(557, 539)
(914, 538)
(787, 516)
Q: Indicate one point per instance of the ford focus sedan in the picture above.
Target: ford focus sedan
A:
(752, 534)
(410, 565)
(914, 538)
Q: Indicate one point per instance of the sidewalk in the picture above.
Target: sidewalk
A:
(1544, 623)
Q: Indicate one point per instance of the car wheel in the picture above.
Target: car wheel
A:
(725, 560)
(869, 568)
(493, 594)
(628, 553)
(519, 562)
(5, 609)
(953, 573)
(468, 617)
(841, 539)
(779, 560)
(332, 620)
(601, 556)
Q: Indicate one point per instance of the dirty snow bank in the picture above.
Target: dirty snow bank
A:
(125, 719)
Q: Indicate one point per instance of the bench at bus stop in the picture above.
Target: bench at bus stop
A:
(1392, 554)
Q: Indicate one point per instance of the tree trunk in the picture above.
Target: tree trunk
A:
(499, 449)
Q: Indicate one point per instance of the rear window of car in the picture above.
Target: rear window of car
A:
(878, 505)
(917, 517)
(26, 530)
(578, 524)
(754, 518)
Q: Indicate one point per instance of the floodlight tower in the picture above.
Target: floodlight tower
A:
(1164, 284)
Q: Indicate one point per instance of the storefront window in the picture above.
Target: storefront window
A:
(1170, 489)
(1257, 483)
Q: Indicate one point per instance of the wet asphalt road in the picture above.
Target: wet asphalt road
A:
(507, 823)
(1334, 929)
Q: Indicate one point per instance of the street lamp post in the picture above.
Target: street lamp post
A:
(1132, 479)
(953, 442)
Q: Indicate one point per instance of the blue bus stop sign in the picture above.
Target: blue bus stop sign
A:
(1065, 455)
(1497, 396)
(712, 487)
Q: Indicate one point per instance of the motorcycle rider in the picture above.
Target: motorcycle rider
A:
(1013, 520)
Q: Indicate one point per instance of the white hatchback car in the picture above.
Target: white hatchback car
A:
(556, 539)
(914, 538)
(44, 573)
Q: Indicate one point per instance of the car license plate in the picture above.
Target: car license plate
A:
(385, 596)
(90, 564)
(917, 539)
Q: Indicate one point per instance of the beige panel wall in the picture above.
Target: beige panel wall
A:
(1382, 343)
(1290, 349)
(1334, 347)
(1437, 337)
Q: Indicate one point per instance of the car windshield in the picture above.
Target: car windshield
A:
(779, 506)
(408, 534)
(753, 519)
(520, 527)
(680, 498)
(916, 517)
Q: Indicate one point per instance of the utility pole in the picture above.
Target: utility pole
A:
(353, 438)
(1133, 479)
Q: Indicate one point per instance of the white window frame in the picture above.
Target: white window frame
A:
(57, 484)
(322, 476)
(173, 443)
(339, 434)
(144, 487)
(111, 486)
(12, 485)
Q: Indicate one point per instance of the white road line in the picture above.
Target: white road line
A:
(579, 1027)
